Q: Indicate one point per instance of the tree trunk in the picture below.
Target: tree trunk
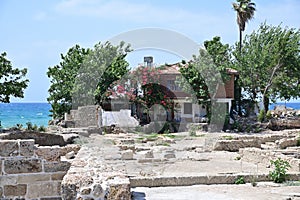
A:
(266, 102)
(241, 38)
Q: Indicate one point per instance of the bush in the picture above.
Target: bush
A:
(240, 180)
(42, 129)
(261, 115)
(268, 115)
(278, 175)
(29, 126)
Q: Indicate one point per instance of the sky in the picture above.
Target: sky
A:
(34, 33)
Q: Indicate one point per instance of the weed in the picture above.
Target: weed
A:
(228, 137)
(240, 180)
(238, 158)
(42, 129)
(279, 174)
(261, 116)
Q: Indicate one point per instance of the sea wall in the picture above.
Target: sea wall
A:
(31, 172)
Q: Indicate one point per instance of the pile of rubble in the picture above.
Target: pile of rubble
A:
(284, 118)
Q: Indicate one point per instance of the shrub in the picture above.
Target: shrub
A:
(42, 129)
(261, 115)
(240, 180)
(29, 126)
(268, 115)
(279, 174)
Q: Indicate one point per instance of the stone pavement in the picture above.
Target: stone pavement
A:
(264, 191)
(170, 160)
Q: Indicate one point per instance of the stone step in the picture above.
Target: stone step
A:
(199, 180)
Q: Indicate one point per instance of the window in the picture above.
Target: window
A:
(188, 108)
(171, 85)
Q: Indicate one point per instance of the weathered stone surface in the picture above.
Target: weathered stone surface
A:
(70, 155)
(9, 148)
(287, 142)
(51, 198)
(235, 145)
(32, 178)
(26, 148)
(43, 139)
(8, 180)
(49, 153)
(62, 166)
(15, 190)
(58, 176)
(119, 188)
(72, 183)
(22, 166)
(43, 189)
(98, 191)
(85, 191)
(127, 155)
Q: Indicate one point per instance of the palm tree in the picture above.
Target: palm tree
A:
(245, 12)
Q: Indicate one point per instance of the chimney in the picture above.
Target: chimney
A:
(148, 61)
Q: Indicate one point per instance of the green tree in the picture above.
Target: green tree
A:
(12, 82)
(62, 81)
(205, 75)
(244, 12)
(269, 64)
(102, 67)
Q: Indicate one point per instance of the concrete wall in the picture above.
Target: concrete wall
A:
(28, 172)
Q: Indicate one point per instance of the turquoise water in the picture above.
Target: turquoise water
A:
(289, 105)
(38, 113)
(21, 113)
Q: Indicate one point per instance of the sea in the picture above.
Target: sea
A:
(39, 113)
(21, 113)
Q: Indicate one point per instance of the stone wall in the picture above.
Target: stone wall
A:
(84, 116)
(31, 172)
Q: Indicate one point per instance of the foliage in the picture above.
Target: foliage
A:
(62, 79)
(245, 11)
(102, 67)
(12, 82)
(279, 174)
(84, 75)
(206, 73)
(261, 116)
(268, 115)
(29, 126)
(240, 180)
(42, 129)
(269, 64)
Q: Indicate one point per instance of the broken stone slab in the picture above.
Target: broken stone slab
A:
(286, 142)
(235, 145)
(127, 155)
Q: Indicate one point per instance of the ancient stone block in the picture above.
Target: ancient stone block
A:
(119, 188)
(58, 176)
(33, 178)
(43, 189)
(1, 191)
(62, 166)
(85, 191)
(98, 191)
(15, 190)
(127, 155)
(31, 165)
(9, 148)
(8, 180)
(27, 148)
(49, 153)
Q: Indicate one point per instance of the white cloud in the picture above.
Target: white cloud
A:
(39, 16)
